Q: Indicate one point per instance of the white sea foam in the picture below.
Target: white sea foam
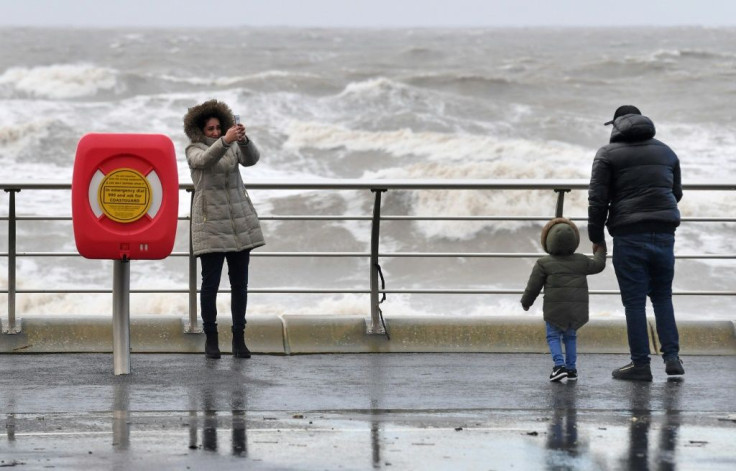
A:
(203, 81)
(61, 81)
(17, 134)
(385, 96)
(100, 304)
(229, 81)
(439, 146)
(374, 86)
(483, 203)
(702, 54)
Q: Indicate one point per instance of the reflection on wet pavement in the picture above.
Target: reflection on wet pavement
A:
(228, 420)
(562, 435)
(641, 419)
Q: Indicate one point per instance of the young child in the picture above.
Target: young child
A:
(563, 273)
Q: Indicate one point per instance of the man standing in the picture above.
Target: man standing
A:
(635, 186)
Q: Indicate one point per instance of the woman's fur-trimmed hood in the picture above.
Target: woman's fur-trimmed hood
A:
(562, 240)
(197, 116)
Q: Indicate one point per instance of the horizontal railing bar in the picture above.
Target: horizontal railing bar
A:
(387, 255)
(524, 218)
(388, 218)
(186, 254)
(396, 184)
(182, 291)
(518, 291)
(314, 218)
(38, 218)
(351, 291)
(59, 218)
(528, 255)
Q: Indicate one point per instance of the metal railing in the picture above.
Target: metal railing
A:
(377, 187)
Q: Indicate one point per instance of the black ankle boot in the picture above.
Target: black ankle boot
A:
(239, 348)
(211, 345)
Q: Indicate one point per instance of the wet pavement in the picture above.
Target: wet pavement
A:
(363, 411)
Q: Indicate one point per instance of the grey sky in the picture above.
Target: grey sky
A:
(366, 13)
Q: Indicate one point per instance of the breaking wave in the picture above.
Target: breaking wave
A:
(59, 82)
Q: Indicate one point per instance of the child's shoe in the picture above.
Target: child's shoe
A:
(572, 375)
(558, 373)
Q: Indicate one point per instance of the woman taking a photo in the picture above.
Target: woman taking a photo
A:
(224, 223)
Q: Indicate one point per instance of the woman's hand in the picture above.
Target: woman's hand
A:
(241, 131)
(235, 133)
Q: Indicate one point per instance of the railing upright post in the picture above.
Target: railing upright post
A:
(121, 317)
(376, 325)
(12, 250)
(192, 327)
(560, 201)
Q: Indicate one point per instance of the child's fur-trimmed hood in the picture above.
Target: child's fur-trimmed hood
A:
(563, 240)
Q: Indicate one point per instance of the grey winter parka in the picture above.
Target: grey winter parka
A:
(223, 217)
(562, 274)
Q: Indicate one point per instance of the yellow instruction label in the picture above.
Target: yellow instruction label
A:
(124, 195)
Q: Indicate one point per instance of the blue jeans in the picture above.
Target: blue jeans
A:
(237, 270)
(645, 266)
(555, 338)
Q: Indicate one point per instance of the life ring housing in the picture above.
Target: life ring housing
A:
(125, 196)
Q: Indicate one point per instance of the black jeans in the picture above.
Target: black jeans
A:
(237, 271)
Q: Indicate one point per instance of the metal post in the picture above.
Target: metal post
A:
(121, 317)
(376, 326)
(560, 201)
(12, 250)
(192, 327)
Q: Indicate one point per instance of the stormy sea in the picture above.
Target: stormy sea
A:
(371, 104)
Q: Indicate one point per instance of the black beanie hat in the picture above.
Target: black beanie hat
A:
(621, 111)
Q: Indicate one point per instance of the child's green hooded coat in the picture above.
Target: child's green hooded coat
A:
(563, 273)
